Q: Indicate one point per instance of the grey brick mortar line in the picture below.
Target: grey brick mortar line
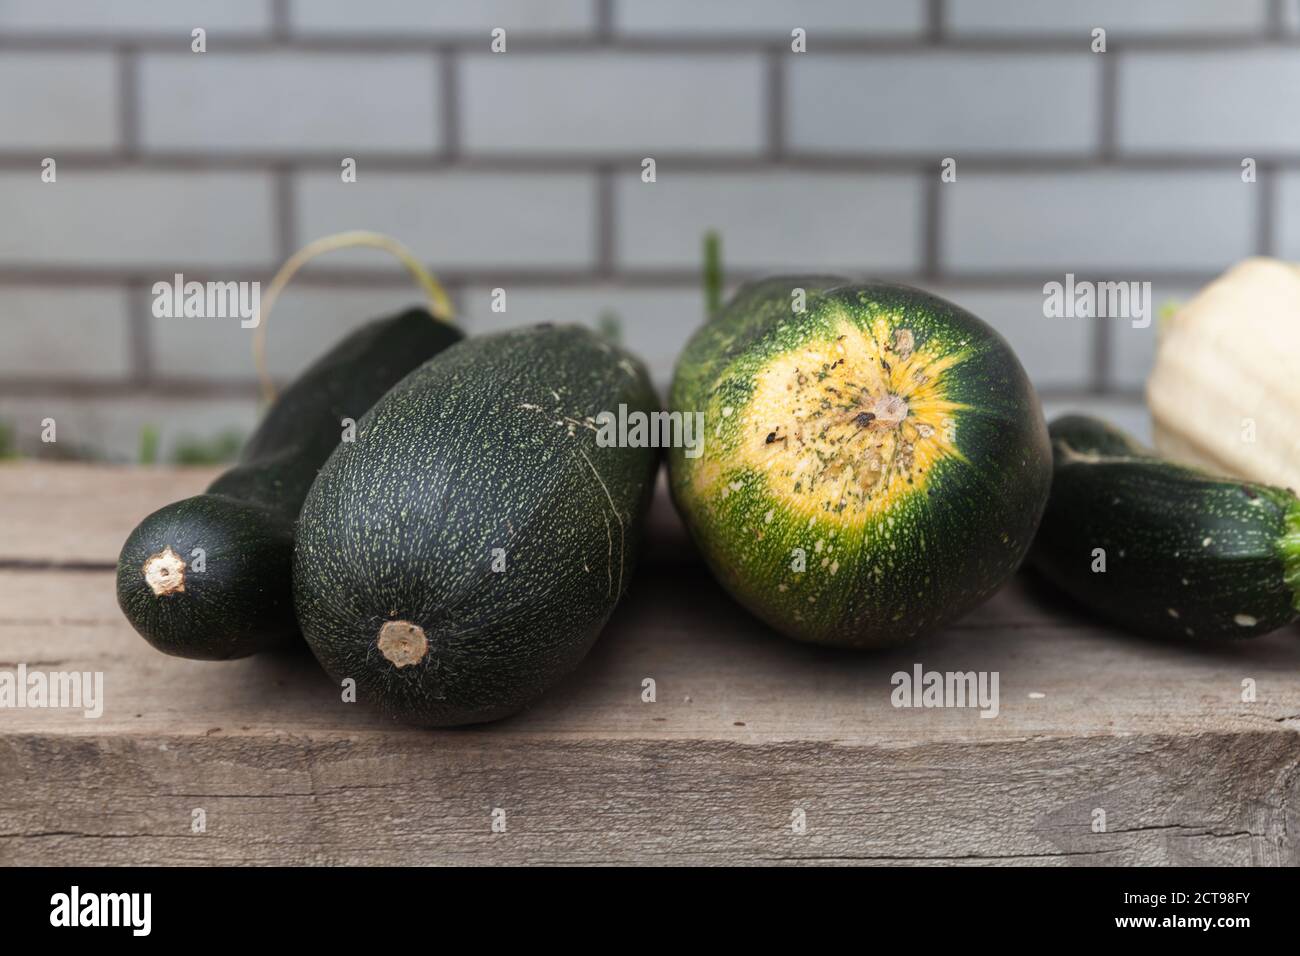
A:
(449, 106)
(1266, 206)
(774, 101)
(1277, 18)
(604, 20)
(128, 107)
(936, 16)
(285, 222)
(932, 226)
(1108, 105)
(139, 333)
(606, 225)
(1100, 358)
(630, 163)
(671, 44)
(281, 25)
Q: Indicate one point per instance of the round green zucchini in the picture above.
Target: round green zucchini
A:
(875, 460)
(1165, 550)
(464, 553)
(210, 577)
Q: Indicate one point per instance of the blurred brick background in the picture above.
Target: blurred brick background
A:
(522, 171)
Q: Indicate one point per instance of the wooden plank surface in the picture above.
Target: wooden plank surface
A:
(748, 730)
(78, 514)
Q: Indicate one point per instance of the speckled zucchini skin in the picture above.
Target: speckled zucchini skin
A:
(1188, 555)
(486, 456)
(884, 440)
(242, 601)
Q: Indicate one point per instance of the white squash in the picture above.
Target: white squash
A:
(1224, 393)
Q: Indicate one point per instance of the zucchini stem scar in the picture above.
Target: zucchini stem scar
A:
(403, 643)
(164, 572)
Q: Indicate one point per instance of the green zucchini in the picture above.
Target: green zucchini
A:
(210, 577)
(463, 554)
(875, 463)
(1165, 550)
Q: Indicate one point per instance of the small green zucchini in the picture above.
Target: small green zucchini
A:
(210, 577)
(1165, 550)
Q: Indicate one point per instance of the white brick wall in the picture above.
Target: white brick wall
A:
(54, 101)
(1120, 18)
(603, 103)
(305, 103)
(125, 219)
(522, 170)
(772, 19)
(1124, 221)
(786, 221)
(66, 332)
(134, 18)
(456, 220)
(443, 18)
(1241, 102)
(944, 104)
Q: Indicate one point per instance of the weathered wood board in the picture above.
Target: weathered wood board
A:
(78, 515)
(748, 734)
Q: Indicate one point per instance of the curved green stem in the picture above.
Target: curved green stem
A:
(439, 302)
(712, 274)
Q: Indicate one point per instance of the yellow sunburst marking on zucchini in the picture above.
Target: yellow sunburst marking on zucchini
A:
(846, 427)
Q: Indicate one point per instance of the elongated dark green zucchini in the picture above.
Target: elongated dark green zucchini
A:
(210, 577)
(465, 551)
(1165, 550)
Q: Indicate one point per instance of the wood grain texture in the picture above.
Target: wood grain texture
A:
(78, 514)
(747, 728)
